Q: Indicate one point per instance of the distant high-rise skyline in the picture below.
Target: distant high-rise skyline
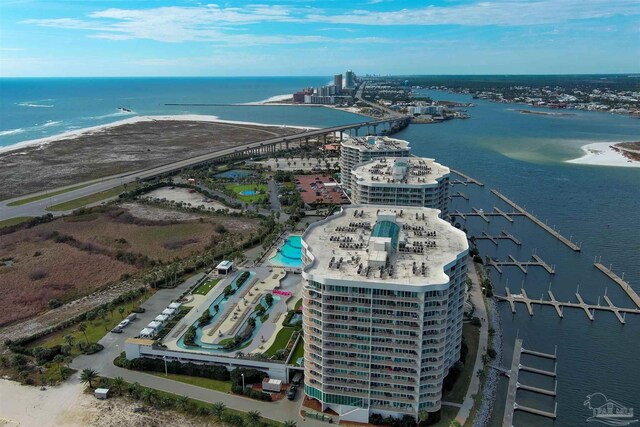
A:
(186, 38)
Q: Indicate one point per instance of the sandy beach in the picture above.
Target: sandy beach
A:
(123, 146)
(136, 119)
(602, 154)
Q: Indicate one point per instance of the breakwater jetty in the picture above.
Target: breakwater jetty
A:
(541, 224)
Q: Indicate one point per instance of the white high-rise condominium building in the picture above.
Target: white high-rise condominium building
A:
(406, 181)
(354, 151)
(383, 303)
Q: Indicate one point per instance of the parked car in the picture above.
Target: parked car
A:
(293, 390)
(123, 324)
(116, 330)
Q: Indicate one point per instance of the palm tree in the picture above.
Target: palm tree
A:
(289, 423)
(218, 409)
(118, 384)
(82, 327)
(253, 418)
(121, 311)
(69, 339)
(87, 376)
(150, 396)
(182, 402)
(59, 360)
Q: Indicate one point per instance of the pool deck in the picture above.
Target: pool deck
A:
(265, 280)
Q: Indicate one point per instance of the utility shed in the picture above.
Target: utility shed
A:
(101, 393)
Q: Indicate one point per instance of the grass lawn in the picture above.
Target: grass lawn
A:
(298, 352)
(96, 329)
(205, 287)
(281, 341)
(447, 414)
(298, 305)
(44, 196)
(92, 198)
(458, 392)
(13, 221)
(237, 188)
(223, 386)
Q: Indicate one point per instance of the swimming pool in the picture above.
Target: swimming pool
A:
(289, 254)
(249, 192)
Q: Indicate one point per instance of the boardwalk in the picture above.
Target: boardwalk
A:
(514, 385)
(541, 224)
(589, 309)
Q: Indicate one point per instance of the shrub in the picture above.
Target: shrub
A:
(476, 321)
(54, 303)
(491, 352)
(37, 274)
(93, 348)
(157, 365)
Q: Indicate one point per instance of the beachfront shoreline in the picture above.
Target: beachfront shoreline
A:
(604, 154)
(41, 142)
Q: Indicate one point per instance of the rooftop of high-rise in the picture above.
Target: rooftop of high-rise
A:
(400, 170)
(379, 244)
(376, 143)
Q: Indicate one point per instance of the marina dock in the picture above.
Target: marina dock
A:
(459, 194)
(522, 265)
(494, 239)
(620, 282)
(589, 309)
(541, 224)
(468, 179)
(514, 385)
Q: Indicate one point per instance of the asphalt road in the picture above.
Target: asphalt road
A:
(38, 207)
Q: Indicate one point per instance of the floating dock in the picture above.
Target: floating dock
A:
(625, 286)
(468, 179)
(522, 265)
(459, 194)
(494, 239)
(514, 385)
(589, 309)
(541, 224)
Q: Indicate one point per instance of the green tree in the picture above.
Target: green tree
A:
(82, 327)
(88, 376)
(218, 409)
(70, 339)
(121, 311)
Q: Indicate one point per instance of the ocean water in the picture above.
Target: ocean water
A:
(33, 108)
(520, 155)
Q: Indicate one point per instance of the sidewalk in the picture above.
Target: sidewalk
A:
(481, 312)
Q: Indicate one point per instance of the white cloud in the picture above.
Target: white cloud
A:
(213, 23)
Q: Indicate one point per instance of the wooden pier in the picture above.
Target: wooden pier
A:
(541, 224)
(487, 215)
(620, 282)
(494, 239)
(589, 309)
(514, 385)
(522, 265)
(468, 179)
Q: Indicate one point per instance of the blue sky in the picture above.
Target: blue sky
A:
(307, 37)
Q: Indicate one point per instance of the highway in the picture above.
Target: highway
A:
(38, 207)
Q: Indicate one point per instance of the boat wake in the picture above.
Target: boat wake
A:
(33, 104)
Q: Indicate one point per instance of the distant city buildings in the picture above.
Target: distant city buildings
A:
(354, 151)
(405, 181)
(328, 94)
(383, 298)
